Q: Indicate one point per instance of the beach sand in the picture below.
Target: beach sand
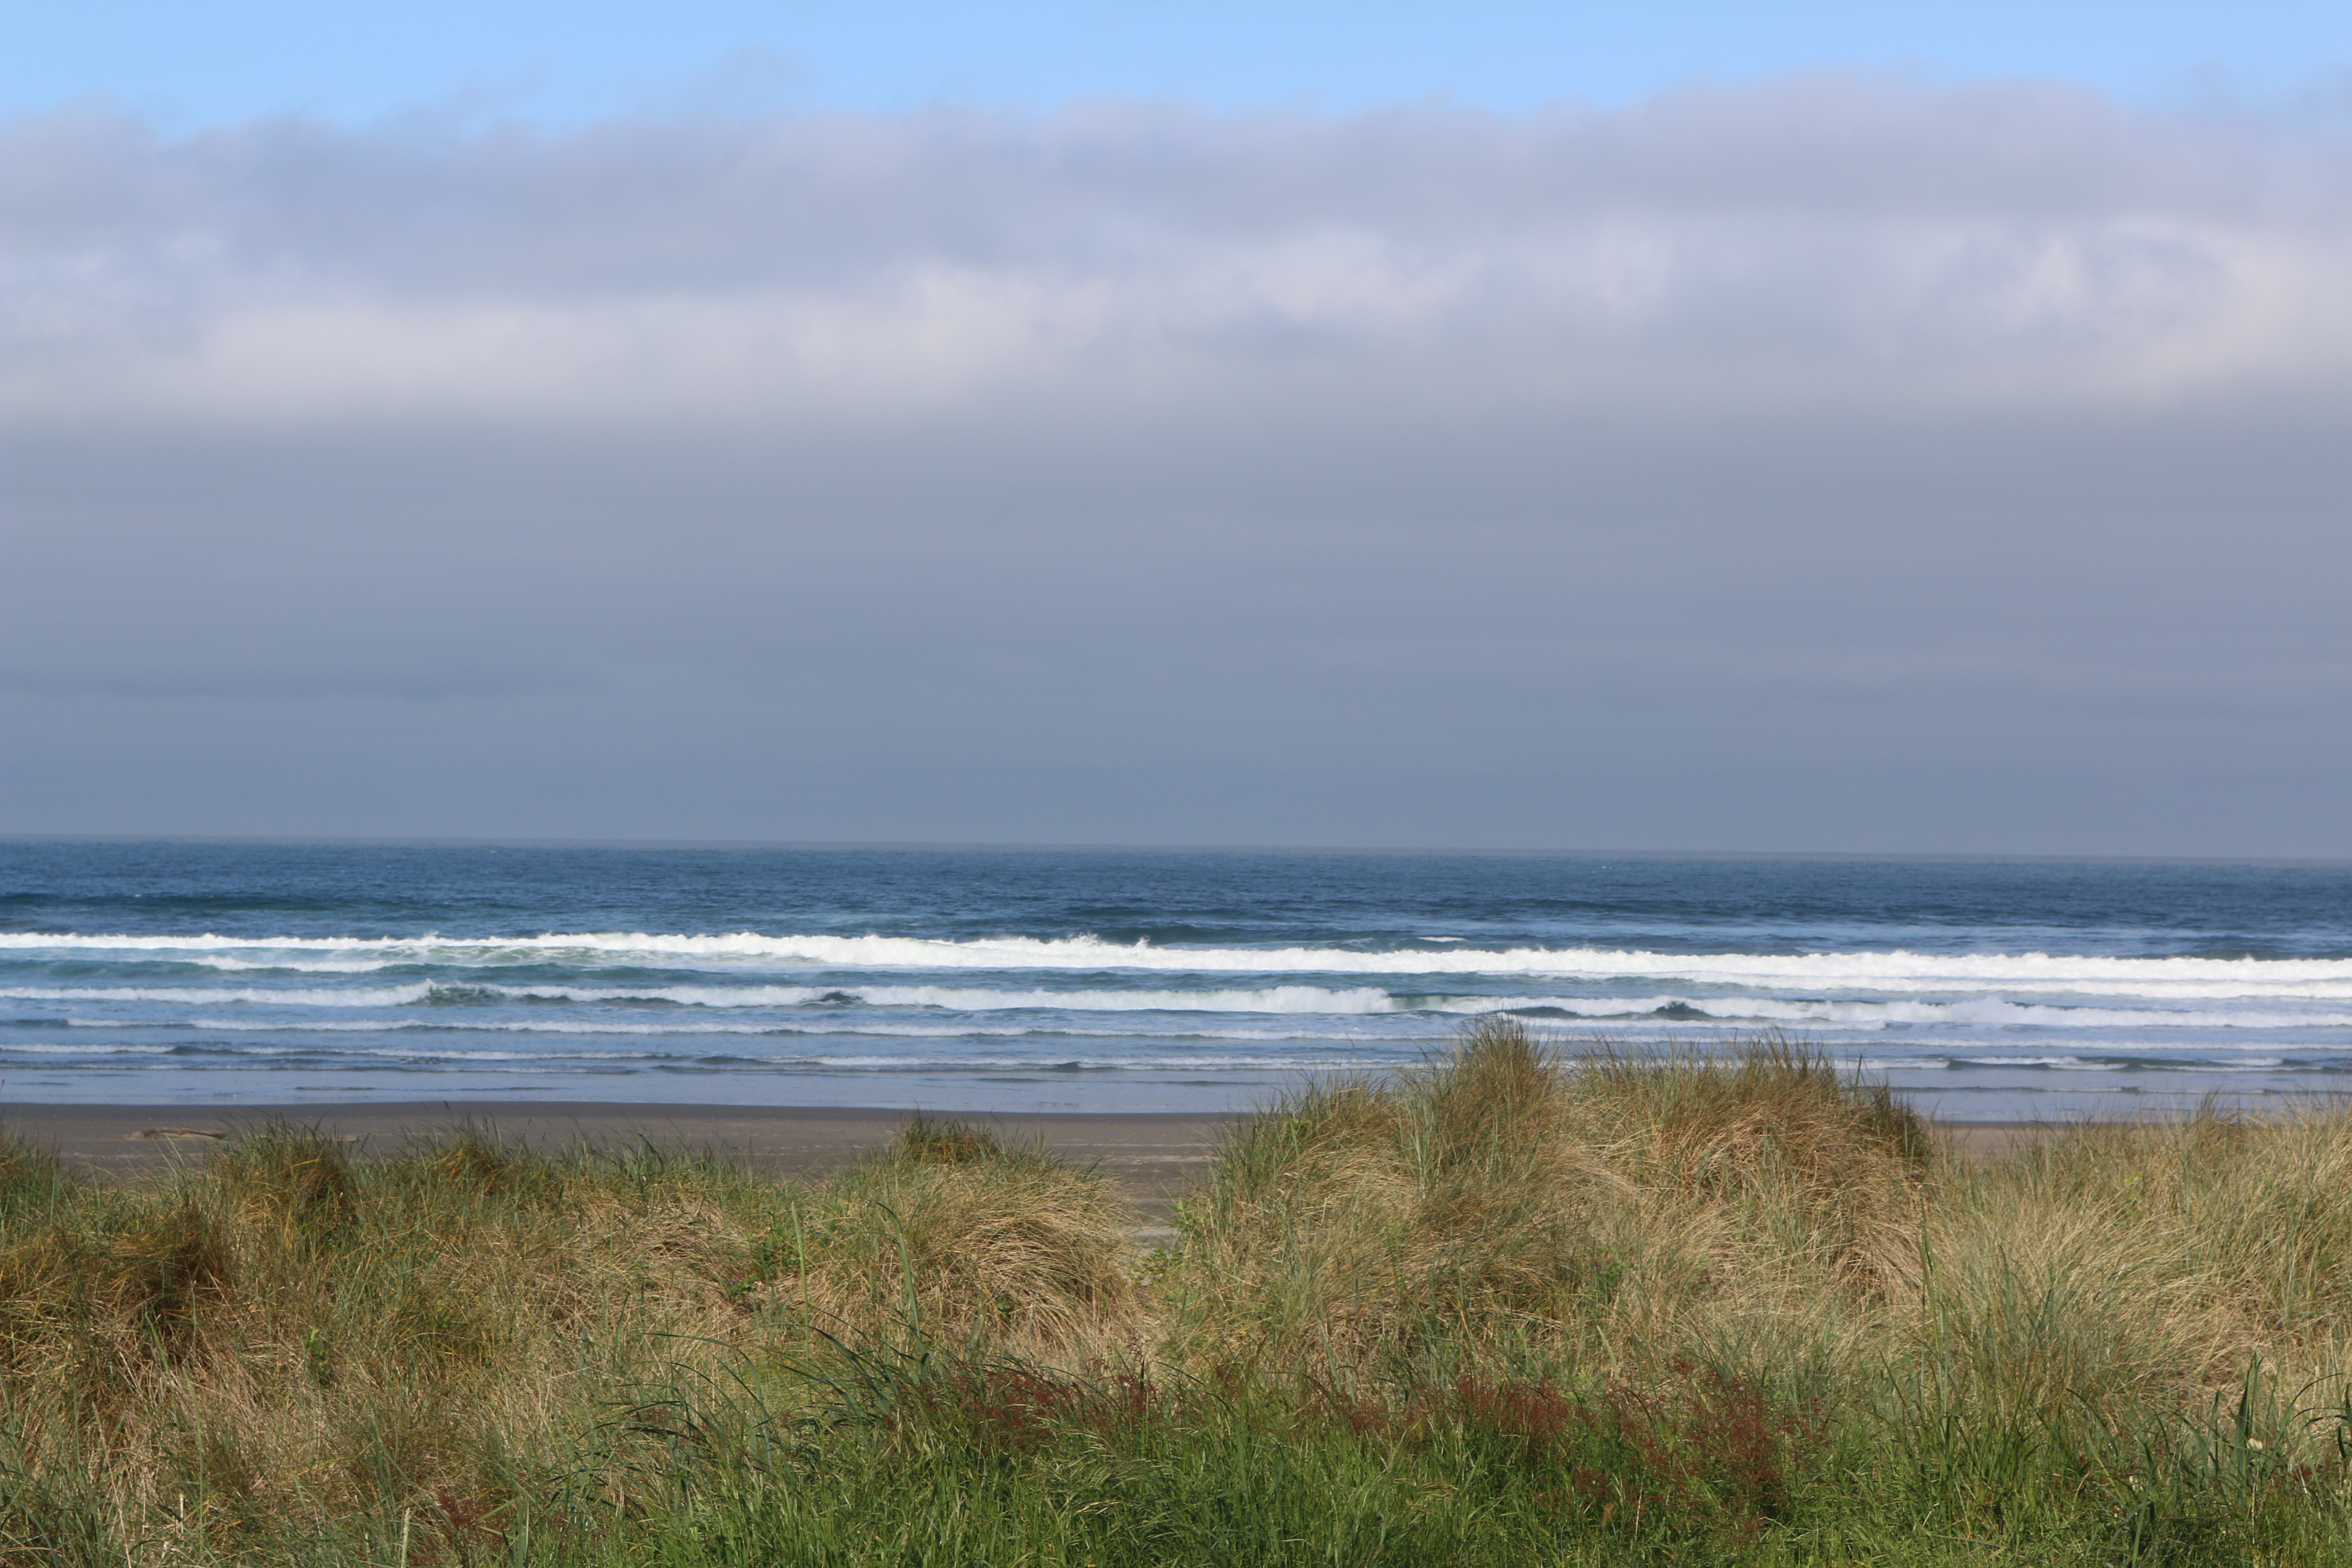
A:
(1154, 1156)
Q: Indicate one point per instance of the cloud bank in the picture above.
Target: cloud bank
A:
(1835, 463)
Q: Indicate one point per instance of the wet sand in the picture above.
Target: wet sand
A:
(1154, 1156)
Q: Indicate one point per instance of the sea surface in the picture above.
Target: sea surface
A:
(1131, 980)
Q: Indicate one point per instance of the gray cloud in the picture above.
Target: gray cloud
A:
(1836, 464)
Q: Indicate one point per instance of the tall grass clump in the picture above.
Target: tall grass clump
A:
(289, 1344)
(954, 1236)
(1509, 1199)
(1744, 1263)
(2113, 1264)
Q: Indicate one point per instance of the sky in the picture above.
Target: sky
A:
(182, 64)
(1799, 427)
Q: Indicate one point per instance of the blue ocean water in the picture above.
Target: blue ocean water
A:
(1124, 980)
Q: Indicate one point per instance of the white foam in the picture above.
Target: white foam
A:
(458, 1053)
(212, 996)
(2049, 1017)
(684, 995)
(2064, 1064)
(296, 966)
(1363, 1000)
(1281, 1000)
(1998, 1011)
(713, 1027)
(976, 999)
(1898, 970)
(578, 1026)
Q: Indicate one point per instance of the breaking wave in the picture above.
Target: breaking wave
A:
(1893, 971)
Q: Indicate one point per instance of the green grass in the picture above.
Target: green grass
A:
(1519, 1307)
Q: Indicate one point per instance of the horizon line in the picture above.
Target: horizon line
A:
(452, 841)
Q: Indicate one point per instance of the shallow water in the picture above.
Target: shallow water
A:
(1107, 980)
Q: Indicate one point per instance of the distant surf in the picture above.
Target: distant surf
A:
(268, 973)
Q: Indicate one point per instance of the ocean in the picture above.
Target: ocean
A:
(1019, 979)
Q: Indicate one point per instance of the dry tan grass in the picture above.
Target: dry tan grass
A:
(1513, 1205)
(287, 1333)
(2129, 1261)
(278, 1336)
(1510, 1199)
(959, 1240)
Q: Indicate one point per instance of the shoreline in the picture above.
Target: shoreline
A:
(1154, 1154)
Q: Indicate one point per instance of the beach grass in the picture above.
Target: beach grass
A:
(1523, 1305)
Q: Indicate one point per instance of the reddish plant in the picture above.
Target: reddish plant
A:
(1019, 1409)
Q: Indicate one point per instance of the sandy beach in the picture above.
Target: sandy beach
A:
(1152, 1156)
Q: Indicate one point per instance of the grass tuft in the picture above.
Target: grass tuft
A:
(31, 1180)
(955, 1236)
(925, 1142)
(1511, 1194)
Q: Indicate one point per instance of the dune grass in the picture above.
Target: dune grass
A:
(1521, 1306)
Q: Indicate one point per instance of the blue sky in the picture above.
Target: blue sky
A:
(178, 62)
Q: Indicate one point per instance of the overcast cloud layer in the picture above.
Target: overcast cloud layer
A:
(1835, 464)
